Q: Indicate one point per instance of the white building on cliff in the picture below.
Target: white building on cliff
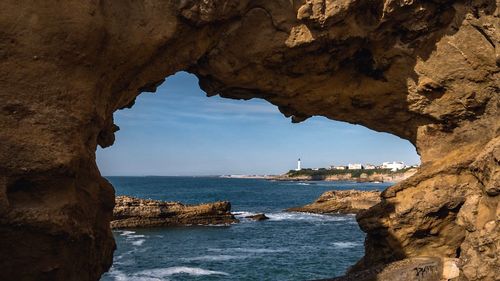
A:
(369, 167)
(355, 166)
(394, 166)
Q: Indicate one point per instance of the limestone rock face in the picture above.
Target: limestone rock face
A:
(341, 202)
(411, 269)
(130, 212)
(426, 71)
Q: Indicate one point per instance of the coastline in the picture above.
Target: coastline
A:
(353, 176)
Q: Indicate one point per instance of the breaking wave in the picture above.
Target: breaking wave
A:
(249, 250)
(216, 258)
(346, 244)
(138, 242)
(169, 271)
(162, 274)
(295, 216)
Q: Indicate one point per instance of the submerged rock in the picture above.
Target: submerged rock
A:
(132, 212)
(258, 217)
(341, 201)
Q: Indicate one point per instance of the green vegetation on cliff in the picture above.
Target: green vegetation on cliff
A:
(355, 173)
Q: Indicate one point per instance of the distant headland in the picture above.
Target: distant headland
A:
(385, 172)
(358, 175)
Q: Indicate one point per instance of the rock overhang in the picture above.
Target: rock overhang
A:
(426, 71)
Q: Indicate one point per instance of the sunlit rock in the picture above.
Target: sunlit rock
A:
(426, 71)
(130, 212)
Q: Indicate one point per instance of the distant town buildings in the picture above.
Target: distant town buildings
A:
(393, 166)
(337, 168)
(355, 166)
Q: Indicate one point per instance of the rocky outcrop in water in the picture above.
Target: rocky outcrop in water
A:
(130, 212)
(426, 71)
(341, 202)
(258, 217)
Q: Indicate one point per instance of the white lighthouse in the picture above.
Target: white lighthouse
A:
(298, 165)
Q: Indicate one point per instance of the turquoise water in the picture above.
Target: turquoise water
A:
(289, 246)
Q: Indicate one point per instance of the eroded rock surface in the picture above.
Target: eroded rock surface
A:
(130, 212)
(411, 269)
(426, 71)
(341, 202)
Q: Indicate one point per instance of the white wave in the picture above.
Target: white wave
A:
(124, 263)
(243, 214)
(126, 232)
(346, 244)
(118, 275)
(249, 250)
(116, 259)
(139, 278)
(303, 183)
(169, 271)
(133, 236)
(258, 251)
(138, 242)
(296, 216)
(215, 258)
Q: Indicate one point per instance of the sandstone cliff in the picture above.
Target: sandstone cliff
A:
(341, 202)
(426, 71)
(130, 212)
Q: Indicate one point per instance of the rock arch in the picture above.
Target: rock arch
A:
(426, 71)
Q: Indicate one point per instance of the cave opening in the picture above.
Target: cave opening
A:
(177, 145)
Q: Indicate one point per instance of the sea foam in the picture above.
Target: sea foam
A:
(249, 250)
(216, 258)
(169, 271)
(346, 244)
(243, 214)
(295, 216)
(138, 242)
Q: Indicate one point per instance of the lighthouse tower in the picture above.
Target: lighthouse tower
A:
(298, 165)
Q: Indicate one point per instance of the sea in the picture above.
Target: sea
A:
(288, 246)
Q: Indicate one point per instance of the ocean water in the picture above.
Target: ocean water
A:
(289, 246)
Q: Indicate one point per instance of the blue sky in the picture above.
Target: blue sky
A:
(179, 131)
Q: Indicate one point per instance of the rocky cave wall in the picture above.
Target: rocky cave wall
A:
(426, 71)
